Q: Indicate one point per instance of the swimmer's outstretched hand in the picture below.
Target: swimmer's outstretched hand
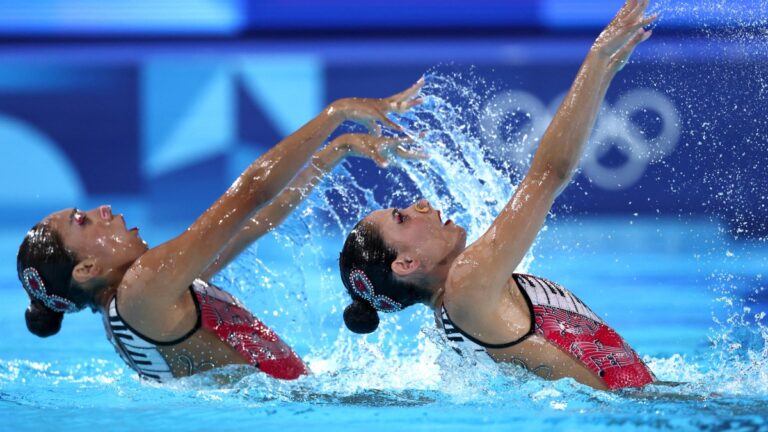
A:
(381, 150)
(371, 112)
(627, 30)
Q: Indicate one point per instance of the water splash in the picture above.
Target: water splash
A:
(471, 186)
(471, 183)
(716, 73)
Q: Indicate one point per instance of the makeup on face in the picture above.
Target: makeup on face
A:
(423, 206)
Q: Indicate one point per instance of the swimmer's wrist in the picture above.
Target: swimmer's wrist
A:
(597, 66)
(340, 110)
(598, 57)
(335, 111)
(333, 153)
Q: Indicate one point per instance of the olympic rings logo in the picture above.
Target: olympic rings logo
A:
(617, 128)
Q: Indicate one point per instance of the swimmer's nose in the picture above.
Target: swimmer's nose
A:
(105, 212)
(422, 206)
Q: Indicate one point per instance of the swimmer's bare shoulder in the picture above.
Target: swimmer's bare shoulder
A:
(153, 309)
(490, 313)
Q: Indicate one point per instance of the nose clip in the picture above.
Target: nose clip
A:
(422, 206)
(105, 212)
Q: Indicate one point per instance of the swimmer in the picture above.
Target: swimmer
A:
(160, 313)
(395, 258)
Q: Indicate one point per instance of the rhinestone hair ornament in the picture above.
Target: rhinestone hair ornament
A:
(34, 285)
(363, 287)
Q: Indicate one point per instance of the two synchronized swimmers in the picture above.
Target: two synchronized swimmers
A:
(165, 320)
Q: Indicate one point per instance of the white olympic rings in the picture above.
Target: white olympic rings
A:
(615, 129)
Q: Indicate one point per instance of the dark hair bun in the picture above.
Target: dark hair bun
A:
(42, 321)
(361, 317)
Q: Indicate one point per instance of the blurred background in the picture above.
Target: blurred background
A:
(156, 106)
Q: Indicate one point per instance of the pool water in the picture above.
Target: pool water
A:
(675, 290)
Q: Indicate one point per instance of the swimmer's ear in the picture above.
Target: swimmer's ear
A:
(86, 270)
(404, 265)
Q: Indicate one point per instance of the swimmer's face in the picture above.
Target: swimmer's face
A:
(420, 233)
(99, 234)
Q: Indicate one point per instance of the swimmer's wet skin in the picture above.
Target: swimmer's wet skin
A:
(221, 319)
(561, 319)
(161, 315)
(395, 258)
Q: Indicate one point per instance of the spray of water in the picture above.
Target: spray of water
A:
(722, 90)
(470, 184)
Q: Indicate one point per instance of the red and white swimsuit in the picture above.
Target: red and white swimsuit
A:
(565, 321)
(218, 313)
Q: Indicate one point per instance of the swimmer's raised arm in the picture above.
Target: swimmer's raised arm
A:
(492, 258)
(175, 264)
(379, 149)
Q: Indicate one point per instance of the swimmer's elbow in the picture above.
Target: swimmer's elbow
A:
(260, 191)
(262, 195)
(562, 170)
(554, 174)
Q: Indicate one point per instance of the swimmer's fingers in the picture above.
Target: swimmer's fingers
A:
(638, 11)
(390, 148)
(380, 160)
(389, 123)
(368, 112)
(620, 59)
(642, 24)
(403, 106)
(398, 147)
(381, 153)
(408, 93)
(372, 123)
(641, 36)
(630, 38)
(618, 35)
(625, 10)
(646, 22)
(371, 147)
(411, 154)
(372, 126)
(381, 150)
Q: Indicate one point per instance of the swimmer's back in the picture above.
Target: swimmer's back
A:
(222, 332)
(549, 331)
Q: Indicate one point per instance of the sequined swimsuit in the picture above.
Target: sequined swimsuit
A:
(566, 322)
(222, 317)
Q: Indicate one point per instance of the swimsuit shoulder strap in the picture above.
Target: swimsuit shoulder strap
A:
(114, 316)
(450, 327)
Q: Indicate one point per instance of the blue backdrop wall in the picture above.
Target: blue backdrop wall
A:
(173, 124)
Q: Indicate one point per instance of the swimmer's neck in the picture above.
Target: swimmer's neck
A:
(103, 297)
(437, 298)
(438, 278)
(436, 285)
(112, 280)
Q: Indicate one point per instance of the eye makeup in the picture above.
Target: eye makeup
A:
(78, 217)
(398, 217)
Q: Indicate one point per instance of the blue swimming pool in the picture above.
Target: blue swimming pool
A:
(678, 291)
